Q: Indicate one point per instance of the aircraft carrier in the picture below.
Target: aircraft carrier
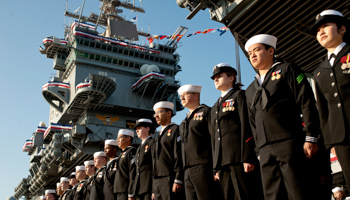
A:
(105, 81)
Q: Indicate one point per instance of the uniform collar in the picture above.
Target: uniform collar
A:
(337, 50)
(222, 95)
(143, 141)
(163, 128)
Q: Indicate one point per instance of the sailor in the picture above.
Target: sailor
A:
(58, 189)
(65, 188)
(167, 169)
(142, 176)
(332, 84)
(338, 193)
(275, 101)
(232, 140)
(100, 161)
(73, 183)
(81, 176)
(110, 149)
(125, 165)
(42, 197)
(90, 171)
(50, 194)
(196, 145)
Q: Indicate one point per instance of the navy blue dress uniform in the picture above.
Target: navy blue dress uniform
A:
(167, 163)
(197, 154)
(96, 191)
(80, 192)
(65, 195)
(123, 176)
(142, 186)
(332, 86)
(87, 188)
(109, 179)
(274, 110)
(233, 145)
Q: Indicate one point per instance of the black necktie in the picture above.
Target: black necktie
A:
(332, 56)
(258, 89)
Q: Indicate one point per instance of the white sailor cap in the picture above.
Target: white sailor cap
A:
(143, 122)
(50, 192)
(126, 132)
(64, 179)
(328, 16)
(337, 189)
(189, 88)
(99, 153)
(42, 197)
(347, 198)
(89, 162)
(111, 142)
(222, 67)
(261, 39)
(164, 104)
(79, 168)
(58, 184)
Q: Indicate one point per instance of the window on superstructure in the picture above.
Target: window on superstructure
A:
(115, 61)
(109, 60)
(104, 47)
(137, 66)
(103, 59)
(162, 71)
(81, 41)
(157, 59)
(86, 43)
(166, 49)
(142, 55)
(167, 61)
(92, 44)
(126, 52)
(98, 45)
(109, 48)
(131, 65)
(92, 56)
(120, 62)
(126, 63)
(172, 62)
(120, 51)
(97, 57)
(131, 53)
(115, 49)
(152, 58)
(162, 60)
(137, 54)
(147, 57)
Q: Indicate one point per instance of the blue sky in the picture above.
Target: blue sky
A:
(24, 70)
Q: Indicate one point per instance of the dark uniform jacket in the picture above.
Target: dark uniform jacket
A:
(87, 188)
(65, 195)
(143, 169)
(288, 94)
(109, 179)
(80, 192)
(332, 85)
(195, 137)
(97, 183)
(71, 194)
(123, 176)
(167, 154)
(232, 139)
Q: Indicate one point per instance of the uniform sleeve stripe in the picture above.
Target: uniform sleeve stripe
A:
(300, 78)
(310, 139)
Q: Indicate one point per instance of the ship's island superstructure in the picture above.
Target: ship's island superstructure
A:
(104, 82)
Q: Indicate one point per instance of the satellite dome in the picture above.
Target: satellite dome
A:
(143, 69)
(11, 198)
(42, 124)
(152, 45)
(181, 3)
(152, 68)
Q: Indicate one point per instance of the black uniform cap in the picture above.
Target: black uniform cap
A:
(329, 16)
(222, 67)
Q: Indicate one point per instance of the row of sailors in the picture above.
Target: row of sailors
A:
(252, 142)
